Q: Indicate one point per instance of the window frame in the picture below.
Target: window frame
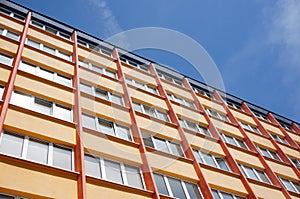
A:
(5, 33)
(170, 79)
(156, 111)
(203, 92)
(278, 138)
(97, 69)
(200, 129)
(250, 127)
(6, 57)
(182, 101)
(270, 153)
(47, 29)
(143, 86)
(134, 64)
(234, 196)
(237, 143)
(255, 171)
(12, 14)
(92, 47)
(217, 114)
(291, 183)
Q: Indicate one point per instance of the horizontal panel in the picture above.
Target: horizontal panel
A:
(94, 191)
(39, 88)
(225, 127)
(243, 117)
(259, 140)
(39, 127)
(201, 143)
(98, 80)
(42, 59)
(46, 39)
(224, 181)
(106, 111)
(158, 128)
(36, 181)
(290, 152)
(11, 24)
(294, 137)
(245, 158)
(272, 128)
(96, 59)
(171, 166)
(149, 99)
(4, 74)
(176, 90)
(111, 149)
(136, 74)
(266, 192)
(212, 105)
(7, 46)
(189, 114)
(283, 170)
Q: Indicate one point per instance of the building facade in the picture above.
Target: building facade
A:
(81, 118)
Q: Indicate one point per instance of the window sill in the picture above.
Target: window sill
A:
(277, 161)
(264, 184)
(241, 149)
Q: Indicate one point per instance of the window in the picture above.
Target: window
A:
(153, 112)
(194, 127)
(114, 171)
(217, 114)
(255, 174)
(279, 138)
(268, 153)
(170, 79)
(105, 126)
(291, 185)
(36, 150)
(162, 144)
(211, 160)
(176, 187)
(1, 91)
(234, 105)
(234, 141)
(286, 126)
(141, 85)
(203, 92)
(133, 63)
(9, 34)
(97, 69)
(40, 105)
(99, 48)
(249, 127)
(50, 29)
(48, 49)
(261, 115)
(5, 59)
(295, 161)
(97, 92)
(181, 101)
(12, 14)
(224, 195)
(6, 196)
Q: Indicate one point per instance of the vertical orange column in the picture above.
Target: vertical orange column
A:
(79, 148)
(137, 136)
(15, 64)
(272, 176)
(296, 127)
(229, 158)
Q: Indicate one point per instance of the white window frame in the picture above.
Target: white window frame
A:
(1, 91)
(53, 106)
(233, 195)
(6, 31)
(286, 126)
(295, 161)
(44, 27)
(260, 149)
(233, 105)
(224, 136)
(170, 79)
(249, 127)
(182, 101)
(279, 138)
(203, 92)
(261, 116)
(291, 183)
(255, 173)
(13, 196)
(92, 67)
(54, 77)
(142, 106)
(217, 114)
(141, 85)
(10, 58)
(200, 129)
(57, 52)
(214, 159)
(134, 64)
(90, 46)
(12, 14)
(122, 171)
(25, 146)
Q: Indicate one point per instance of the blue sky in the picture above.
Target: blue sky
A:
(255, 44)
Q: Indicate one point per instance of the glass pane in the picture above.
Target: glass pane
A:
(1, 31)
(116, 99)
(46, 74)
(262, 176)
(209, 159)
(182, 123)
(216, 194)
(297, 186)
(288, 185)
(176, 149)
(123, 133)
(150, 111)
(227, 196)
(204, 130)
(4, 59)
(63, 113)
(88, 121)
(241, 143)
(133, 176)
(27, 67)
(42, 106)
(275, 156)
(265, 152)
(83, 63)
(250, 173)
(161, 144)
(151, 90)
(113, 171)
(192, 125)
(51, 30)
(1, 91)
(33, 43)
(62, 157)
(63, 80)
(110, 73)
(85, 88)
(222, 163)
(193, 190)
(37, 151)
(137, 107)
(97, 68)
(12, 35)
(198, 157)
(176, 188)
(64, 55)
(6, 197)
(162, 116)
(92, 166)
(139, 85)
(49, 50)
(11, 144)
(37, 24)
(101, 93)
(106, 127)
(147, 140)
(20, 99)
(160, 183)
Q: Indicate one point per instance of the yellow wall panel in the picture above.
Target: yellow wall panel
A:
(211, 105)
(94, 192)
(188, 114)
(106, 111)
(290, 152)
(111, 149)
(4, 74)
(176, 90)
(52, 63)
(245, 158)
(154, 127)
(141, 96)
(96, 59)
(282, 170)
(171, 166)
(223, 181)
(46, 39)
(266, 192)
(271, 128)
(39, 127)
(40, 88)
(261, 141)
(224, 127)
(19, 178)
(243, 117)
(294, 137)
(5, 21)
(136, 74)
(6, 46)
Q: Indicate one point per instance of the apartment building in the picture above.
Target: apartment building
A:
(81, 118)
